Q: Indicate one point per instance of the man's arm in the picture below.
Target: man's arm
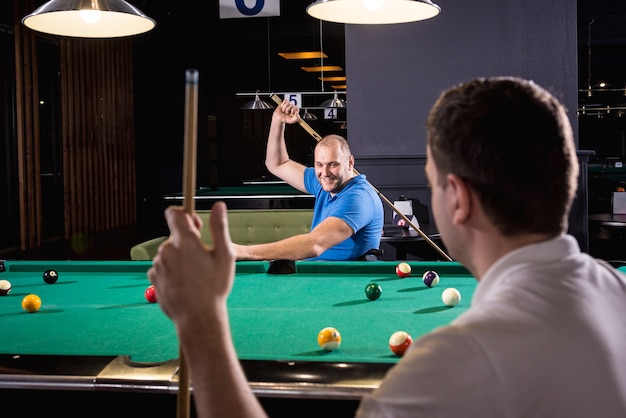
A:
(277, 158)
(193, 282)
(330, 232)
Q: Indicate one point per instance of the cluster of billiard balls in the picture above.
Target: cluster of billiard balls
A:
(450, 296)
(329, 339)
(31, 302)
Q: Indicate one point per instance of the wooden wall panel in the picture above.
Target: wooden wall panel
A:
(97, 133)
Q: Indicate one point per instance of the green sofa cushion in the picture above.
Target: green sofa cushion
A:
(247, 227)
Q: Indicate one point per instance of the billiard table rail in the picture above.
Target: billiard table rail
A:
(267, 378)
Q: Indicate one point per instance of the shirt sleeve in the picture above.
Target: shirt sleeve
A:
(444, 374)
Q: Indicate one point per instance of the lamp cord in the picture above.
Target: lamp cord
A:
(589, 57)
(321, 56)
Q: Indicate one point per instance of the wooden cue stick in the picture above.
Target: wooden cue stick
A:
(318, 138)
(189, 189)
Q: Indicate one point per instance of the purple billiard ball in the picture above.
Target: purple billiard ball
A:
(431, 278)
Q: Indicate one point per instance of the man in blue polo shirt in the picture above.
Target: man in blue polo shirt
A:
(348, 214)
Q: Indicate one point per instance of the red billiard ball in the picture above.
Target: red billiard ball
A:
(403, 270)
(5, 287)
(399, 342)
(50, 276)
(150, 294)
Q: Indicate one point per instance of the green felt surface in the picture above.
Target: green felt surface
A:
(98, 308)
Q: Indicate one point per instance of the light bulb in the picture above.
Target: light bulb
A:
(373, 5)
(90, 16)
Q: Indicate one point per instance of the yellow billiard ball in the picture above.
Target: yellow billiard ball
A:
(31, 303)
(329, 338)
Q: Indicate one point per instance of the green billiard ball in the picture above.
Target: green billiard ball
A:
(373, 291)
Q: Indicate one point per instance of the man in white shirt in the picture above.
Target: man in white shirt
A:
(545, 335)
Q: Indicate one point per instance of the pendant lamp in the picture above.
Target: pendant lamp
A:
(373, 11)
(89, 19)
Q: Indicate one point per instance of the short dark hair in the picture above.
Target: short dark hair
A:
(512, 141)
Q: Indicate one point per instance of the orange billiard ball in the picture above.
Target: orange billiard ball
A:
(31, 303)
(329, 338)
(150, 294)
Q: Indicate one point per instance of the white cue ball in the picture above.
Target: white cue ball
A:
(451, 296)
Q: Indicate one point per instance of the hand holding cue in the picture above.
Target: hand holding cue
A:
(189, 189)
(318, 138)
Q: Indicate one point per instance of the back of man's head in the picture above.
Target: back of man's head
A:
(513, 142)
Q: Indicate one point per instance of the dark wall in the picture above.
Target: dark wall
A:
(396, 72)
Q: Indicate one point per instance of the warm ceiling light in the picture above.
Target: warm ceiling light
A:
(320, 68)
(303, 55)
(339, 86)
(89, 19)
(373, 11)
(336, 78)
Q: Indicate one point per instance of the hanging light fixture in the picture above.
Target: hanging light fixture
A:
(373, 11)
(257, 104)
(334, 102)
(306, 115)
(89, 19)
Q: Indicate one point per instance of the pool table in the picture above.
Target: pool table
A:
(249, 196)
(96, 332)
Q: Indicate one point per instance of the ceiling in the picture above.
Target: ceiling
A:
(602, 42)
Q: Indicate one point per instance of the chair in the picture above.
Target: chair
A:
(371, 255)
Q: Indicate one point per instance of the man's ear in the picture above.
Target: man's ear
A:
(460, 198)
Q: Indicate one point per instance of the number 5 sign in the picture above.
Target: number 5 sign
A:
(294, 98)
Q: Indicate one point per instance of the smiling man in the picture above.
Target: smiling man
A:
(348, 214)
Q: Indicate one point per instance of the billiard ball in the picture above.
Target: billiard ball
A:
(451, 296)
(403, 270)
(31, 303)
(373, 291)
(430, 278)
(150, 294)
(5, 287)
(399, 342)
(329, 338)
(50, 276)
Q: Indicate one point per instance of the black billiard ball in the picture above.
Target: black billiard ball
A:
(373, 291)
(50, 276)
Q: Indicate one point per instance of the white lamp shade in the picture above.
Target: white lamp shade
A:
(89, 19)
(373, 11)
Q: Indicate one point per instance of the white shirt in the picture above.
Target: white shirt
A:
(545, 336)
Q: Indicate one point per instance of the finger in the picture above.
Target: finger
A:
(181, 225)
(218, 223)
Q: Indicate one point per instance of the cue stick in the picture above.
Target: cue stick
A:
(189, 188)
(318, 138)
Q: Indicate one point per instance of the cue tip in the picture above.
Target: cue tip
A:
(191, 76)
